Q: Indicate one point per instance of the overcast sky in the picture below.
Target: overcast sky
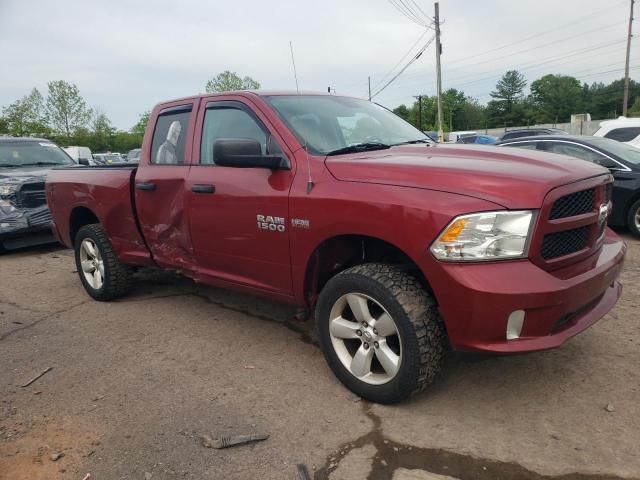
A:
(125, 56)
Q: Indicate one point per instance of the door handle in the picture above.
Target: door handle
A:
(149, 186)
(203, 188)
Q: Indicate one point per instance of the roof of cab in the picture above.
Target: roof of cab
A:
(259, 93)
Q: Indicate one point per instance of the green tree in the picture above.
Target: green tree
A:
(26, 116)
(605, 101)
(634, 111)
(509, 90)
(67, 111)
(141, 125)
(556, 97)
(228, 81)
(402, 111)
(101, 130)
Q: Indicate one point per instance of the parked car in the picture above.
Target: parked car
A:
(530, 132)
(134, 155)
(479, 139)
(623, 161)
(107, 158)
(24, 216)
(432, 135)
(400, 246)
(622, 129)
(454, 137)
(81, 155)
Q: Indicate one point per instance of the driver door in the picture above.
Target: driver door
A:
(228, 206)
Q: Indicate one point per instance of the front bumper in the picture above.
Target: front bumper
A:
(18, 223)
(475, 300)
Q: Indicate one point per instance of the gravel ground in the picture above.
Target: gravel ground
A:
(135, 384)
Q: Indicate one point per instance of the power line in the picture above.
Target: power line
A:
(417, 55)
(584, 18)
(401, 60)
(413, 12)
(493, 74)
(554, 42)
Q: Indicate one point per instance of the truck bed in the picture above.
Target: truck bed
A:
(78, 191)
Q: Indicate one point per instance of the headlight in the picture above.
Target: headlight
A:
(6, 190)
(485, 236)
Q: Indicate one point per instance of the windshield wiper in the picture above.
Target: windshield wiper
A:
(411, 142)
(360, 147)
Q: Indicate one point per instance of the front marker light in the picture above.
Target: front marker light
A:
(485, 236)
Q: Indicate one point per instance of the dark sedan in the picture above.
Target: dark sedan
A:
(24, 164)
(622, 160)
(530, 132)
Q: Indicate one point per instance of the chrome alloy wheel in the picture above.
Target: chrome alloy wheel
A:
(636, 219)
(365, 338)
(92, 264)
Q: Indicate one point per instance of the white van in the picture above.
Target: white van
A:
(78, 153)
(622, 129)
(455, 136)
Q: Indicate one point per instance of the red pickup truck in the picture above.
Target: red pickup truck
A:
(401, 247)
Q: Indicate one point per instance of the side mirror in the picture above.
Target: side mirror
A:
(83, 161)
(245, 153)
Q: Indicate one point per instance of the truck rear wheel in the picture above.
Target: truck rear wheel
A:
(380, 332)
(102, 274)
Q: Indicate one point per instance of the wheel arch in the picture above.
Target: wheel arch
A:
(339, 252)
(80, 216)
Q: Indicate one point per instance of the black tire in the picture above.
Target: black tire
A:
(631, 218)
(117, 276)
(416, 318)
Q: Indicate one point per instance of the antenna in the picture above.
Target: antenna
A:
(295, 74)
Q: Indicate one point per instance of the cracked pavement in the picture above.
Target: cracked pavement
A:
(136, 382)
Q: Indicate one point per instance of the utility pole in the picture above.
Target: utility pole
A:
(419, 122)
(439, 73)
(625, 100)
(369, 88)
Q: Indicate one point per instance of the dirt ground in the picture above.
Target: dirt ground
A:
(135, 383)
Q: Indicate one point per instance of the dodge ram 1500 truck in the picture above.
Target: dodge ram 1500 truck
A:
(401, 247)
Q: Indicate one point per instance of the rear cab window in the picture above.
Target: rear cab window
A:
(170, 135)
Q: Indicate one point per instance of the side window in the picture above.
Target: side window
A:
(511, 136)
(169, 136)
(623, 134)
(229, 122)
(525, 145)
(580, 152)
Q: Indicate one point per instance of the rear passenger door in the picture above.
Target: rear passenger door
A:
(160, 185)
(229, 207)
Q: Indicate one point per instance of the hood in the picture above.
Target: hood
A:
(511, 177)
(20, 174)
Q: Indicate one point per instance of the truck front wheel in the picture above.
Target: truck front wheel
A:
(380, 332)
(102, 274)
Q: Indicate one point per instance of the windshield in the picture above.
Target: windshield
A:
(24, 154)
(325, 123)
(625, 151)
